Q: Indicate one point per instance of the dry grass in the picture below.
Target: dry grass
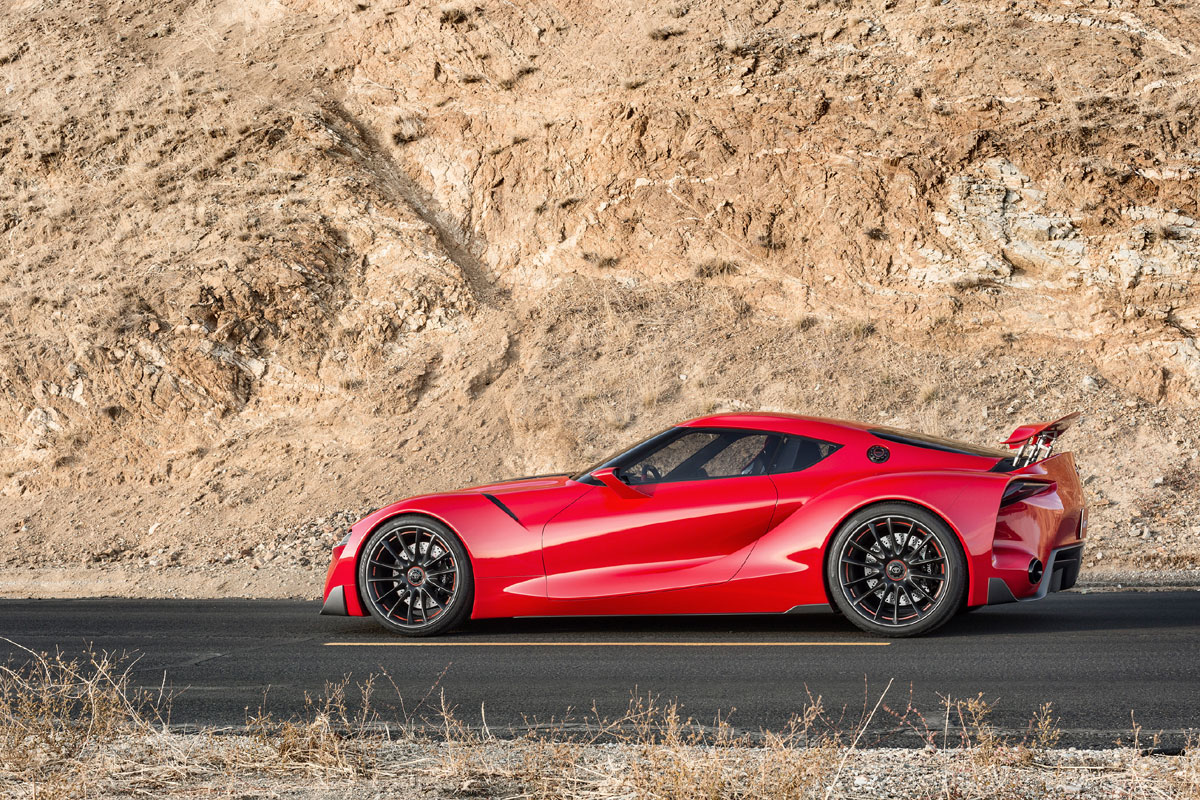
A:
(77, 728)
(715, 267)
(407, 128)
(661, 33)
(454, 13)
(55, 712)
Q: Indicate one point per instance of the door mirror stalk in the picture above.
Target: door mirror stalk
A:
(608, 477)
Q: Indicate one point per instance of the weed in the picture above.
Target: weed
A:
(454, 13)
(715, 267)
(662, 33)
(860, 330)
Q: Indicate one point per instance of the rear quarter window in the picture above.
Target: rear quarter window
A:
(798, 453)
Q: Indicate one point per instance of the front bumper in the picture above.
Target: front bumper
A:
(335, 603)
(338, 577)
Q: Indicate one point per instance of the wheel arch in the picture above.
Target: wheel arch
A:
(876, 501)
(404, 512)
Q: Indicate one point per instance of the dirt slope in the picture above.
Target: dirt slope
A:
(267, 264)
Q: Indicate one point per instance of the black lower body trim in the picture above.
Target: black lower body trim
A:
(998, 592)
(335, 604)
(1061, 573)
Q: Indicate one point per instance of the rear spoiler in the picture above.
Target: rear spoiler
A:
(1035, 442)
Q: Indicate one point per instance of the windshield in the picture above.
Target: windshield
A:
(619, 458)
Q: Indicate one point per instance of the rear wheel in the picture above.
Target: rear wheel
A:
(896, 570)
(415, 576)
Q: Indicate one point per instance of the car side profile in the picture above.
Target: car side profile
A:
(745, 513)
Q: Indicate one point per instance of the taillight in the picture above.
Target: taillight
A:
(1018, 491)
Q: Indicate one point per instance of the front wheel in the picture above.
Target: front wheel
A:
(896, 570)
(415, 576)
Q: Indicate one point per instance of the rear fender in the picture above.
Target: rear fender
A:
(965, 501)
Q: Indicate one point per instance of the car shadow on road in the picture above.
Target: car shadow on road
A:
(1058, 614)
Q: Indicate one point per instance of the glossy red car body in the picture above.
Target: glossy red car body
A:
(744, 544)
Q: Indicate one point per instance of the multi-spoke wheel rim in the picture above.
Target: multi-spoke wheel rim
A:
(412, 576)
(893, 570)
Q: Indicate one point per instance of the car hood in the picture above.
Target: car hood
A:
(518, 485)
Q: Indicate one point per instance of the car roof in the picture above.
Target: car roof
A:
(771, 421)
(836, 430)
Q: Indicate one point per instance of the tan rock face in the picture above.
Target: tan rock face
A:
(331, 232)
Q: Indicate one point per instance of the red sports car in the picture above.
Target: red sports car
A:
(734, 514)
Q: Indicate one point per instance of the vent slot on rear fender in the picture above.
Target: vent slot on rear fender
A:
(1021, 490)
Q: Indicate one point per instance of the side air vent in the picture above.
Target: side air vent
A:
(1019, 491)
(498, 504)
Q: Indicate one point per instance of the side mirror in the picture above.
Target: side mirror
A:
(608, 476)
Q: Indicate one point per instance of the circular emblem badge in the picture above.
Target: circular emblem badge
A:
(878, 453)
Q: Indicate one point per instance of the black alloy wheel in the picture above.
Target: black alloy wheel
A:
(415, 576)
(896, 570)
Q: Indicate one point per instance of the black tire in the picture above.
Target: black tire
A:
(896, 570)
(415, 576)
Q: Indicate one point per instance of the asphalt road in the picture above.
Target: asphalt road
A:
(1097, 657)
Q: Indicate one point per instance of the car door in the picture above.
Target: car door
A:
(684, 515)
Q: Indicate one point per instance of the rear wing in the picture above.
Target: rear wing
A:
(1036, 441)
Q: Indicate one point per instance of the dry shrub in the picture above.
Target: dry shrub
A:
(859, 330)
(678, 758)
(1044, 733)
(652, 750)
(56, 712)
(1184, 782)
(715, 267)
(331, 736)
(77, 728)
(662, 33)
(807, 322)
(454, 13)
(407, 129)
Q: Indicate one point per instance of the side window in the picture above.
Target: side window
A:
(699, 455)
(744, 455)
(799, 453)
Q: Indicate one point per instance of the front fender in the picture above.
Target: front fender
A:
(499, 546)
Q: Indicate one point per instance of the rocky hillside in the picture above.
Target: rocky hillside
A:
(265, 264)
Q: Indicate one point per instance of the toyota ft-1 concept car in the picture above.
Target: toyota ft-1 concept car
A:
(734, 514)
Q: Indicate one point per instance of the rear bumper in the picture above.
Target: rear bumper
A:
(1038, 542)
(1062, 570)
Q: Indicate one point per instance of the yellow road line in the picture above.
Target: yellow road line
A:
(607, 644)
